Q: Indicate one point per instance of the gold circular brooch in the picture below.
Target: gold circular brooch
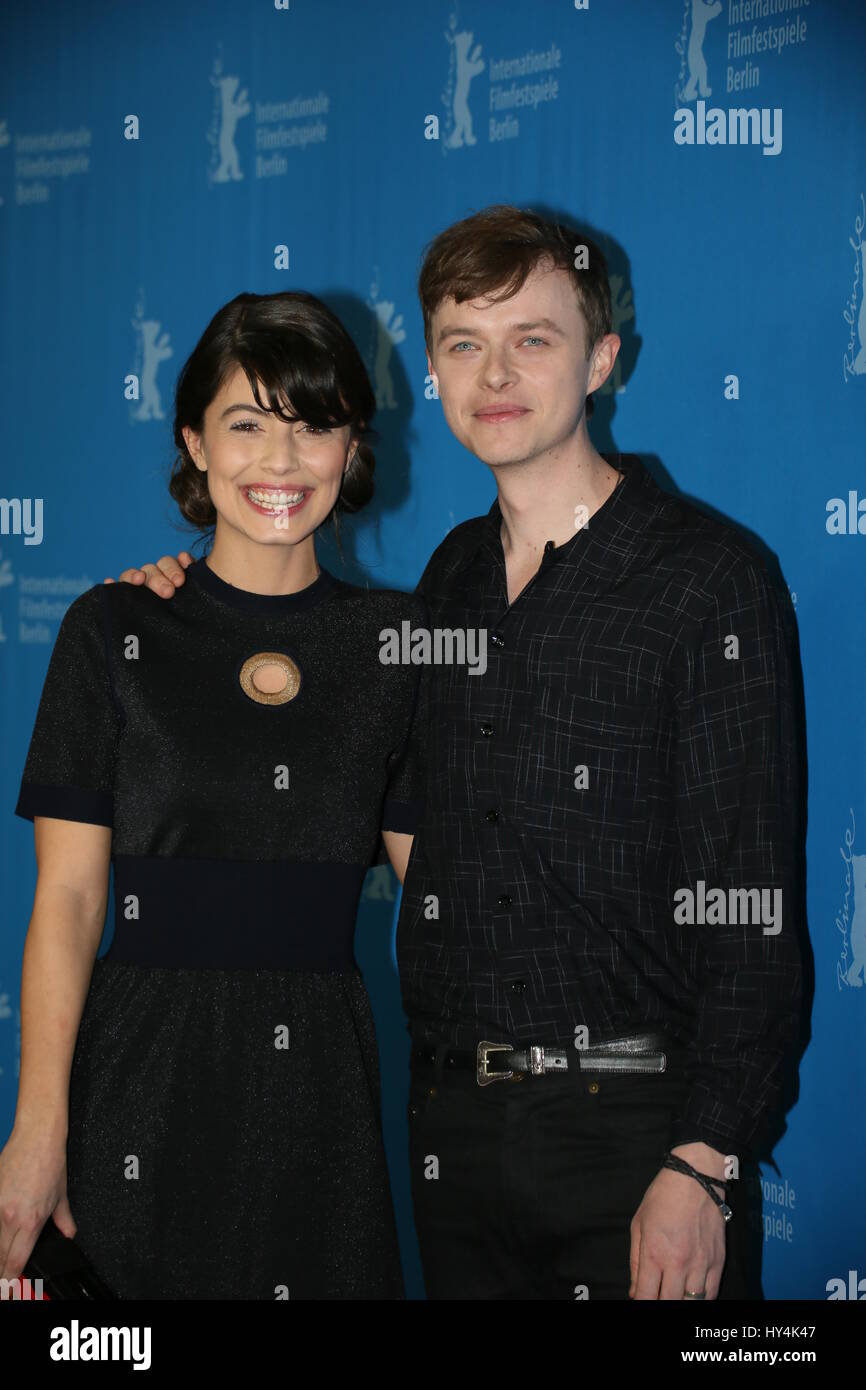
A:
(270, 678)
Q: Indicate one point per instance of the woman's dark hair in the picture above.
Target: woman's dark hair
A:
(299, 350)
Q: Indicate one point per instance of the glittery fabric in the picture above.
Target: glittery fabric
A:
(225, 1136)
(205, 1161)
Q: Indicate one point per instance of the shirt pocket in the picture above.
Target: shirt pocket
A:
(589, 768)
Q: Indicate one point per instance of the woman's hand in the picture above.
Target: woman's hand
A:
(163, 578)
(32, 1187)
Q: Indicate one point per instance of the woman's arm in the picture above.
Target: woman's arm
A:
(62, 941)
(398, 848)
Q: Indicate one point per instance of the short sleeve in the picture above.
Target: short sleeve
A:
(69, 770)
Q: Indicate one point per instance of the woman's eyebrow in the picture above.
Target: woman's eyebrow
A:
(240, 406)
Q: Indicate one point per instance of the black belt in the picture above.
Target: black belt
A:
(491, 1061)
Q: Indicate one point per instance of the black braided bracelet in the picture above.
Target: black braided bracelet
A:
(679, 1165)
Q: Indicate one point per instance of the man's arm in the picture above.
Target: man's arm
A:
(163, 578)
(736, 803)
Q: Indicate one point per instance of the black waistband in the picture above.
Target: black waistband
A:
(213, 913)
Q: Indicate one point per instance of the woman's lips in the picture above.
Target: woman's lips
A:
(279, 503)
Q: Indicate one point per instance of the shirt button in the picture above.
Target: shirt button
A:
(497, 639)
(492, 816)
(517, 986)
(505, 900)
(486, 728)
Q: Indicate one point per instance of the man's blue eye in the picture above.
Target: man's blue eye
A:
(465, 342)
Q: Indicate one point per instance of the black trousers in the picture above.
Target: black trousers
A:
(526, 1188)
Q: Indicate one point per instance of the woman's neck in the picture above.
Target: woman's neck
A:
(263, 569)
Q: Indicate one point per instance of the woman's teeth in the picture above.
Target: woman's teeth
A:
(274, 500)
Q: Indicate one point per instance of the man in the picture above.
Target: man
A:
(597, 944)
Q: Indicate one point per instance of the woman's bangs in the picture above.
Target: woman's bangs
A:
(301, 374)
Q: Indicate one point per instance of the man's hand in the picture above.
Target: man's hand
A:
(678, 1232)
(163, 578)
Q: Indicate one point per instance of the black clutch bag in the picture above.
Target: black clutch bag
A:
(62, 1267)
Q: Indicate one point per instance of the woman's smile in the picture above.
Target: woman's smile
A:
(275, 501)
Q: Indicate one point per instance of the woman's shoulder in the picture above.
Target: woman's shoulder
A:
(125, 599)
(91, 610)
(394, 605)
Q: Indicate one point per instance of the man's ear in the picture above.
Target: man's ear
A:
(604, 356)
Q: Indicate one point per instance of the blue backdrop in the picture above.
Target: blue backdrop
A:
(157, 160)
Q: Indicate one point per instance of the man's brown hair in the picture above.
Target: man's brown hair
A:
(490, 255)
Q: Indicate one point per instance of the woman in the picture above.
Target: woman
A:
(214, 1131)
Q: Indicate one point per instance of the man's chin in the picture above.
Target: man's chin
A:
(503, 461)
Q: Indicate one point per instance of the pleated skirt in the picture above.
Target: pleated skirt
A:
(225, 1136)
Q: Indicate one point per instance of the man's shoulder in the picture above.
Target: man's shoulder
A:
(709, 553)
(456, 548)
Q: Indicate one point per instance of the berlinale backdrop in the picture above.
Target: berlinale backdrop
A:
(157, 160)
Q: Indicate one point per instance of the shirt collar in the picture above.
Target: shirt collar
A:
(610, 534)
(265, 605)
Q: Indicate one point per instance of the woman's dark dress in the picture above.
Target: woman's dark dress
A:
(224, 1125)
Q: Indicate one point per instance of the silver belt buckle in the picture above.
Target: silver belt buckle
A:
(536, 1061)
(483, 1076)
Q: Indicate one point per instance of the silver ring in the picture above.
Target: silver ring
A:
(692, 1293)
